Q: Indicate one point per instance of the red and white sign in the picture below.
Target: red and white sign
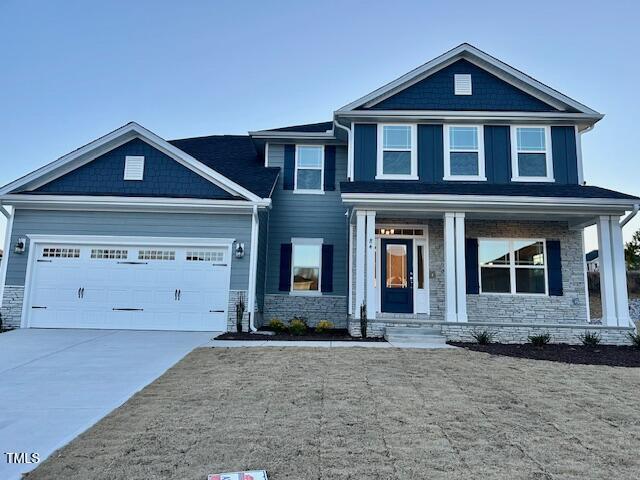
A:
(253, 475)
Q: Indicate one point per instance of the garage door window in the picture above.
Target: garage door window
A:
(156, 255)
(111, 254)
(210, 256)
(54, 252)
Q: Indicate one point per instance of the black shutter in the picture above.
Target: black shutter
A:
(471, 265)
(327, 268)
(289, 166)
(554, 268)
(329, 168)
(285, 267)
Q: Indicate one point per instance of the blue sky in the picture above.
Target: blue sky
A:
(74, 70)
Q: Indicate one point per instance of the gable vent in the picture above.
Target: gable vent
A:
(133, 167)
(462, 83)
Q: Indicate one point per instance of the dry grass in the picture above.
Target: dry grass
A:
(366, 413)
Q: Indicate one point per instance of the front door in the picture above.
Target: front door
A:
(397, 275)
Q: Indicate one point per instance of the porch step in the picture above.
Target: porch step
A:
(414, 335)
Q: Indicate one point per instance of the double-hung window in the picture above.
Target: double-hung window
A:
(531, 159)
(306, 265)
(397, 152)
(309, 176)
(514, 266)
(464, 152)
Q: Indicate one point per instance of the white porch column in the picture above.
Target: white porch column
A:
(449, 267)
(461, 270)
(606, 272)
(360, 257)
(619, 273)
(370, 246)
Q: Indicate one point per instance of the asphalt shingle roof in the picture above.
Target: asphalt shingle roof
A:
(307, 128)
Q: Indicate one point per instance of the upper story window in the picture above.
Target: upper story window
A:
(309, 176)
(531, 154)
(397, 153)
(464, 152)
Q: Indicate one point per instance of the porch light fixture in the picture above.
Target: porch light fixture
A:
(21, 245)
(239, 250)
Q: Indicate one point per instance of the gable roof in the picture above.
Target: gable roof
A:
(592, 255)
(308, 127)
(108, 142)
(483, 60)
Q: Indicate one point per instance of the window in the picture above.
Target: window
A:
(49, 252)
(397, 157)
(462, 84)
(156, 255)
(112, 254)
(306, 264)
(133, 167)
(531, 154)
(512, 266)
(464, 152)
(205, 256)
(309, 168)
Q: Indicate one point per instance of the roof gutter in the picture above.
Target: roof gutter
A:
(630, 216)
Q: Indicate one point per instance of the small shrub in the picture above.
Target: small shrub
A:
(277, 325)
(540, 340)
(324, 326)
(484, 337)
(590, 339)
(298, 326)
(635, 339)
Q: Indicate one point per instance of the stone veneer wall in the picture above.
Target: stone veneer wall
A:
(12, 305)
(312, 308)
(634, 308)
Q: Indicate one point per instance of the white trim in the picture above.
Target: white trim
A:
(607, 285)
(266, 154)
(314, 191)
(350, 154)
(447, 154)
(380, 175)
(360, 260)
(133, 167)
(350, 273)
(461, 272)
(483, 60)
(450, 268)
(131, 130)
(544, 118)
(253, 267)
(512, 266)
(7, 250)
(317, 242)
(585, 269)
(370, 248)
(619, 274)
(515, 174)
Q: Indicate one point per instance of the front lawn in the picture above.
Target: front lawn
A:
(356, 413)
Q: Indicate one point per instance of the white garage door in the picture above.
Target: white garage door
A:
(129, 287)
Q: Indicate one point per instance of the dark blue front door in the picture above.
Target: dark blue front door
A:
(397, 275)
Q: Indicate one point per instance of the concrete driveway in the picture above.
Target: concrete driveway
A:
(54, 384)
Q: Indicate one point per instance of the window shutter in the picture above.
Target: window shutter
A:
(285, 267)
(327, 268)
(289, 166)
(554, 268)
(329, 168)
(471, 265)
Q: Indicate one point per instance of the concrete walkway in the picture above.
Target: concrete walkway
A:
(327, 344)
(54, 384)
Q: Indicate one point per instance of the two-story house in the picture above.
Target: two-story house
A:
(451, 198)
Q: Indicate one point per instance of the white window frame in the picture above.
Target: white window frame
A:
(319, 191)
(128, 175)
(448, 149)
(413, 149)
(515, 177)
(512, 267)
(306, 241)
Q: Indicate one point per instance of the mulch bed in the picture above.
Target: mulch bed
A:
(611, 355)
(336, 335)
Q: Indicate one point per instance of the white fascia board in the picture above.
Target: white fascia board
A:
(471, 116)
(120, 136)
(127, 240)
(480, 58)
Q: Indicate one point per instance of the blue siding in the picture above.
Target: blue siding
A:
(163, 177)
(365, 151)
(565, 157)
(309, 216)
(430, 153)
(497, 153)
(489, 93)
(263, 237)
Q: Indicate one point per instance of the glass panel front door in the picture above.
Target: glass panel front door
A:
(397, 272)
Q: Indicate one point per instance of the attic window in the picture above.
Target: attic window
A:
(462, 83)
(133, 167)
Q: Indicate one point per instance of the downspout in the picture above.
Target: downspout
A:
(629, 217)
(253, 267)
(349, 149)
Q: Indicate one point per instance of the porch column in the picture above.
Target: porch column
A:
(619, 273)
(606, 272)
(449, 267)
(360, 257)
(461, 270)
(371, 255)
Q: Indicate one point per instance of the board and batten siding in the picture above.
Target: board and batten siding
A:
(308, 216)
(131, 224)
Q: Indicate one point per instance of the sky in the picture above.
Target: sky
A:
(71, 71)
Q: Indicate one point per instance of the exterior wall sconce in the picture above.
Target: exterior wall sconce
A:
(239, 250)
(21, 245)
